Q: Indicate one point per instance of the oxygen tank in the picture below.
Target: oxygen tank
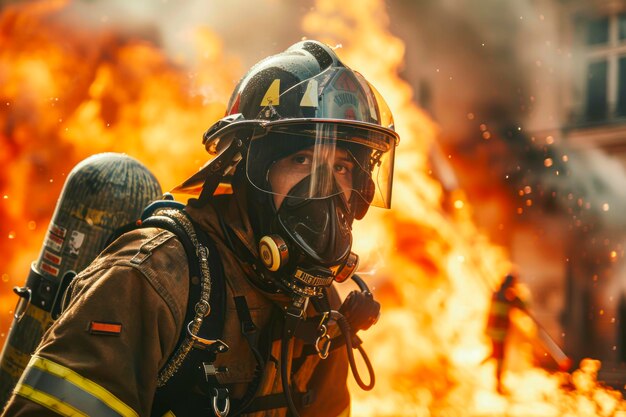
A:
(101, 194)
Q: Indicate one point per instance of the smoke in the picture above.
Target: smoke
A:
(599, 180)
(250, 30)
(487, 68)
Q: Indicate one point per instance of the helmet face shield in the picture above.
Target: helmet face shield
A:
(332, 130)
(321, 159)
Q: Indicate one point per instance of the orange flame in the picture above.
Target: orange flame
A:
(69, 91)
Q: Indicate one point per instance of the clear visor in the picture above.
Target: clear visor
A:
(320, 159)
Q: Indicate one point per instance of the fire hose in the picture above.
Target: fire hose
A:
(560, 357)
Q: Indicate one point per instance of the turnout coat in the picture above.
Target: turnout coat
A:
(124, 315)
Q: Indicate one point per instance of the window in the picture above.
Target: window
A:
(598, 31)
(597, 90)
(622, 26)
(605, 74)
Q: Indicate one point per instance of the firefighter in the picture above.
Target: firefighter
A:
(254, 326)
(499, 322)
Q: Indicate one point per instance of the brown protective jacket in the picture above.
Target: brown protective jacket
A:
(141, 282)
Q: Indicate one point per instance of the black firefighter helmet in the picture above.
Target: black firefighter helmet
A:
(316, 142)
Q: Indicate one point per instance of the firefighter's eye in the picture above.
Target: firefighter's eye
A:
(343, 168)
(301, 159)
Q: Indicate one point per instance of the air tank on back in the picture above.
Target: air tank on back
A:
(101, 194)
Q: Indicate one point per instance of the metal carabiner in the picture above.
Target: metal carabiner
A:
(202, 343)
(324, 320)
(322, 343)
(221, 394)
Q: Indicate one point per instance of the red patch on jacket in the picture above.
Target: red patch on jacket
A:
(103, 328)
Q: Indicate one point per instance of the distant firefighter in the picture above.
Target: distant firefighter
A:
(499, 321)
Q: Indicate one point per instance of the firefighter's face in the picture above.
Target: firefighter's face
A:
(285, 173)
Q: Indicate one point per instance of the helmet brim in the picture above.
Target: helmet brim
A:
(217, 143)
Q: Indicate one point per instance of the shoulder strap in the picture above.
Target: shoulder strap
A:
(206, 287)
(167, 223)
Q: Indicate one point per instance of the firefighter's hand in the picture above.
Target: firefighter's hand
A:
(361, 310)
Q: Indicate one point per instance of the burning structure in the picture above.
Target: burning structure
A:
(72, 86)
(541, 112)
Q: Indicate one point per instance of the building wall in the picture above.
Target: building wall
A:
(592, 321)
(522, 66)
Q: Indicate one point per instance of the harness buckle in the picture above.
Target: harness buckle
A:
(211, 370)
(298, 307)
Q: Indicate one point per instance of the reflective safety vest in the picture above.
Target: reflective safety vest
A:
(499, 320)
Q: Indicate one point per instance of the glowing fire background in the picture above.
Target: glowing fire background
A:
(147, 78)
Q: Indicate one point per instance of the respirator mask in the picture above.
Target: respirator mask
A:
(311, 180)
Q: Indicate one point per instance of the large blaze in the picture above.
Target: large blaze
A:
(69, 90)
